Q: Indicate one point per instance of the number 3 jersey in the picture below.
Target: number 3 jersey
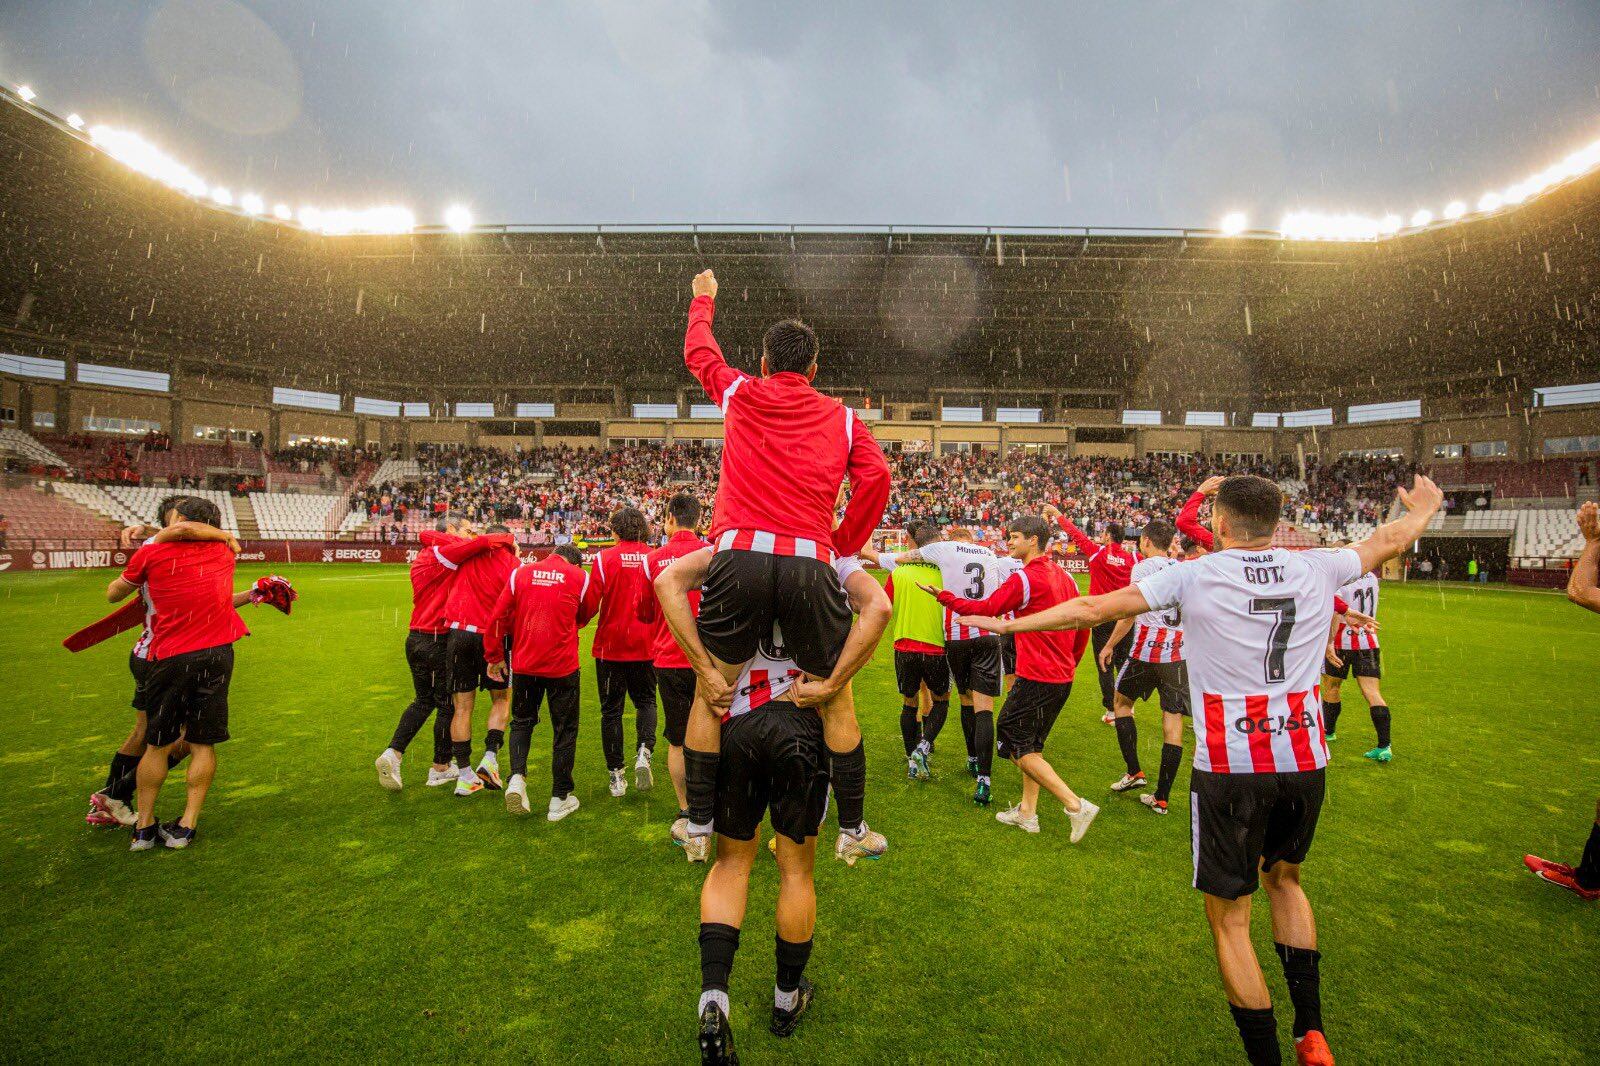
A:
(1157, 635)
(1255, 625)
(771, 673)
(1362, 595)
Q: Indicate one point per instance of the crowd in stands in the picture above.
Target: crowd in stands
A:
(309, 457)
(550, 495)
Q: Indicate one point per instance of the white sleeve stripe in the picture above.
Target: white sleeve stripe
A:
(440, 556)
(849, 429)
(599, 565)
(584, 592)
(1027, 590)
(727, 393)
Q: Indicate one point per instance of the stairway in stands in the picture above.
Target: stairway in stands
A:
(246, 516)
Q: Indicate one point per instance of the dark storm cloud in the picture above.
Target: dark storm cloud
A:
(1138, 114)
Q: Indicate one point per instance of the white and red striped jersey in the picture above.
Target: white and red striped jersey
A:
(771, 673)
(971, 571)
(1255, 626)
(1157, 635)
(1362, 595)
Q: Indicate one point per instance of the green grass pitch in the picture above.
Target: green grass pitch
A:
(321, 918)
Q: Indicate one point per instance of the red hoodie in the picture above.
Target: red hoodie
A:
(1110, 565)
(434, 569)
(786, 450)
(478, 582)
(618, 576)
(1050, 656)
(543, 605)
(664, 650)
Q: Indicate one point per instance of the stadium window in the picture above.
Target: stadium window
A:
(474, 410)
(1240, 457)
(103, 424)
(655, 410)
(1374, 453)
(29, 367)
(1265, 420)
(704, 410)
(1320, 416)
(1489, 449)
(1019, 414)
(1383, 412)
(1569, 445)
(311, 438)
(1561, 395)
(1205, 418)
(414, 410)
(536, 410)
(1141, 418)
(123, 378)
(223, 434)
(8, 415)
(870, 414)
(44, 420)
(961, 414)
(316, 401)
(1170, 457)
(366, 406)
(1447, 451)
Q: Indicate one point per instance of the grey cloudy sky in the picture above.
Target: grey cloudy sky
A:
(1130, 114)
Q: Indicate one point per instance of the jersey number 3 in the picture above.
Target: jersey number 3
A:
(1282, 608)
(974, 590)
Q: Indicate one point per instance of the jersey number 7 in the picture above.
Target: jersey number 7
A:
(1282, 608)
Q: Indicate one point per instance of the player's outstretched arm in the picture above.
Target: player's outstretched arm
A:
(871, 605)
(1583, 585)
(672, 592)
(701, 353)
(196, 531)
(1422, 501)
(1080, 612)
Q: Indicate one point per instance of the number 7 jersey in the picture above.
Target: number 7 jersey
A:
(1255, 624)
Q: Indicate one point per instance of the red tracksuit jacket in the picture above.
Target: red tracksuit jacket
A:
(543, 606)
(1048, 656)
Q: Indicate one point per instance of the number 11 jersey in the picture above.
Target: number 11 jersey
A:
(1255, 626)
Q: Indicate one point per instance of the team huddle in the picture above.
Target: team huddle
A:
(749, 638)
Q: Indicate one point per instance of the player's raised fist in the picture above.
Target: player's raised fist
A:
(1589, 521)
(1423, 495)
(705, 284)
(1051, 512)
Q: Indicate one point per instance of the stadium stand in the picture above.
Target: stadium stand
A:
(31, 453)
(294, 515)
(48, 520)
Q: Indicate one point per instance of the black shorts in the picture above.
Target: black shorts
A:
(913, 669)
(427, 654)
(188, 697)
(1244, 823)
(140, 669)
(1365, 662)
(976, 664)
(676, 687)
(772, 758)
(468, 669)
(1029, 714)
(1008, 653)
(1138, 679)
(748, 593)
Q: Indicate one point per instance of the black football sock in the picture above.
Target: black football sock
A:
(910, 728)
(521, 741)
(718, 944)
(1171, 759)
(1259, 1031)
(1588, 872)
(1330, 715)
(700, 782)
(127, 778)
(1128, 741)
(934, 723)
(120, 764)
(1301, 972)
(983, 736)
(462, 750)
(1380, 722)
(968, 725)
(792, 960)
(493, 739)
(849, 772)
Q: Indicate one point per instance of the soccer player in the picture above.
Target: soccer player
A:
(772, 758)
(1355, 650)
(1154, 665)
(1046, 663)
(1255, 623)
(787, 450)
(622, 649)
(917, 625)
(112, 805)
(540, 610)
(472, 596)
(188, 592)
(1583, 589)
(975, 657)
(1110, 566)
(674, 676)
(445, 548)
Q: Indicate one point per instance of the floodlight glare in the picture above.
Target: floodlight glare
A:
(1234, 222)
(458, 218)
